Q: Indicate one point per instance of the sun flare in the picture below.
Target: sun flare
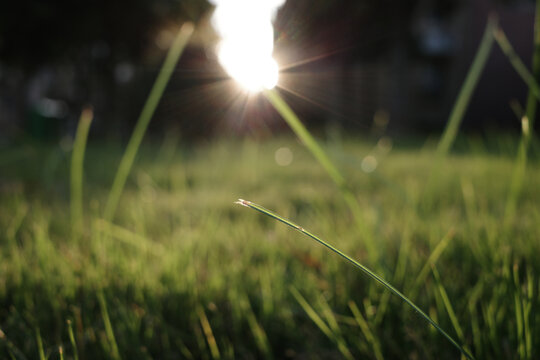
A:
(247, 41)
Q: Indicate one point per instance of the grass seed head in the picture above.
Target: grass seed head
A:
(243, 202)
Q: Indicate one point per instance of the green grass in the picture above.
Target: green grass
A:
(77, 164)
(361, 267)
(183, 272)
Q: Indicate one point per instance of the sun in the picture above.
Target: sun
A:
(247, 42)
(251, 70)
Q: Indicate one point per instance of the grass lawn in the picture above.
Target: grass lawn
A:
(183, 272)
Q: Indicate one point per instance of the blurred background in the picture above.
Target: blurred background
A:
(137, 252)
(346, 64)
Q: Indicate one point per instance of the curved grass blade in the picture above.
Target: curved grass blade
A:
(516, 62)
(77, 159)
(147, 112)
(531, 98)
(467, 90)
(366, 270)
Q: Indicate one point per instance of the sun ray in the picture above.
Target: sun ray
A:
(311, 101)
(312, 59)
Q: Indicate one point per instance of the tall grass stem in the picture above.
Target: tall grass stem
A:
(115, 353)
(518, 175)
(41, 352)
(77, 161)
(517, 63)
(300, 130)
(531, 106)
(208, 333)
(148, 110)
(363, 268)
(316, 150)
(72, 340)
(467, 89)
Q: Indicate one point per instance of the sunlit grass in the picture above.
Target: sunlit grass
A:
(179, 244)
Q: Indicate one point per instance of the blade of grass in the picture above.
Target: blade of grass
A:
(72, 340)
(528, 313)
(532, 104)
(517, 108)
(333, 323)
(201, 343)
(150, 106)
(518, 175)
(300, 130)
(207, 329)
(256, 329)
(518, 304)
(11, 356)
(108, 326)
(467, 89)
(77, 160)
(399, 273)
(516, 62)
(329, 316)
(129, 237)
(16, 223)
(439, 249)
(467, 190)
(364, 269)
(11, 348)
(41, 352)
(474, 298)
(321, 324)
(523, 306)
(311, 144)
(447, 304)
(365, 330)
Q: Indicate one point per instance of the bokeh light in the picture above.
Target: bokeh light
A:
(283, 156)
(369, 164)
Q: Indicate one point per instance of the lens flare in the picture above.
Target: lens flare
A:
(247, 41)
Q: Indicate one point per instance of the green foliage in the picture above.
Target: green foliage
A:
(182, 265)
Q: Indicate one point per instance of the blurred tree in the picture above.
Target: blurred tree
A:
(84, 51)
(35, 32)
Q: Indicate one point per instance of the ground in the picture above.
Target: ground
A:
(183, 272)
